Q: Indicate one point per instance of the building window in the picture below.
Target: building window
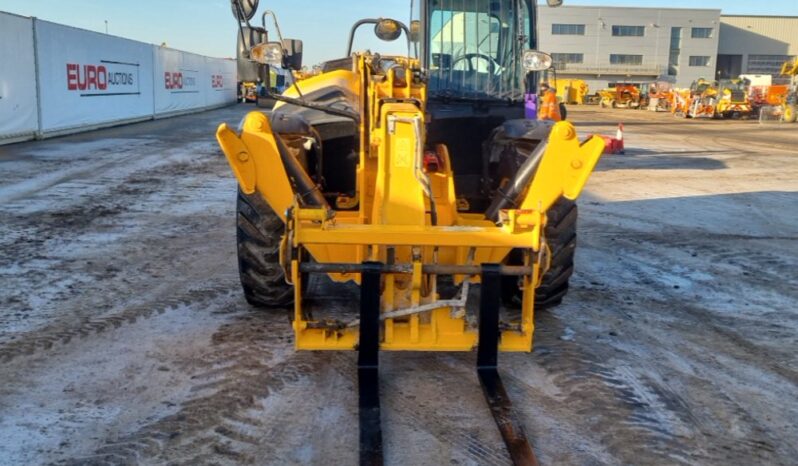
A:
(621, 59)
(628, 31)
(568, 29)
(699, 61)
(676, 48)
(766, 64)
(701, 33)
(562, 59)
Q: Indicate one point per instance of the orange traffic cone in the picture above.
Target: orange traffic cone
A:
(614, 145)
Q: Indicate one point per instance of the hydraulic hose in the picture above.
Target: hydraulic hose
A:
(510, 195)
(309, 193)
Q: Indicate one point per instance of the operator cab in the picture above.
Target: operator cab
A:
(473, 49)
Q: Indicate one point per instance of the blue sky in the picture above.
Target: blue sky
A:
(207, 27)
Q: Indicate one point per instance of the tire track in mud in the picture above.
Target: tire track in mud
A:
(113, 202)
(61, 171)
(622, 414)
(633, 411)
(45, 251)
(300, 424)
(729, 249)
(133, 183)
(589, 388)
(709, 332)
(49, 338)
(250, 362)
(746, 147)
(638, 419)
(422, 406)
(706, 440)
(756, 267)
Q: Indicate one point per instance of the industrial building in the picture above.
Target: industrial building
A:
(755, 44)
(607, 45)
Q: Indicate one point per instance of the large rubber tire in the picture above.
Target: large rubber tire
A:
(561, 238)
(258, 234)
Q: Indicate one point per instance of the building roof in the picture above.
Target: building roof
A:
(759, 16)
(597, 7)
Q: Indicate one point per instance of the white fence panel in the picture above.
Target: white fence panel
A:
(91, 79)
(223, 81)
(19, 117)
(181, 81)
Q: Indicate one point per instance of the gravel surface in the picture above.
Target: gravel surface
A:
(124, 337)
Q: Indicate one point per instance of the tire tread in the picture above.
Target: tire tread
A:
(258, 233)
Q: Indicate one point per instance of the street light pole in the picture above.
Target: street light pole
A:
(106, 26)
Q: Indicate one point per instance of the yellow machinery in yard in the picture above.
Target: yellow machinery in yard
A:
(248, 92)
(733, 101)
(680, 102)
(701, 101)
(622, 96)
(710, 99)
(780, 102)
(789, 104)
(419, 179)
(572, 91)
(660, 96)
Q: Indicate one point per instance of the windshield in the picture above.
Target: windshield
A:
(475, 46)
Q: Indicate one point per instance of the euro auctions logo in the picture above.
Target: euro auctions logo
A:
(173, 80)
(217, 81)
(105, 79)
(180, 82)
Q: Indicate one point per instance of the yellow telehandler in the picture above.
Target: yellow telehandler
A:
(420, 178)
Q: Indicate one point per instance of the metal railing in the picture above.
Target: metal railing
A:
(613, 70)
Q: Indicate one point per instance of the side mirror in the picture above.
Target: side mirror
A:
(244, 10)
(293, 54)
(554, 3)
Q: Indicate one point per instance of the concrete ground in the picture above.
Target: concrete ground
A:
(124, 337)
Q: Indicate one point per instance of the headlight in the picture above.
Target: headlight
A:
(268, 53)
(536, 61)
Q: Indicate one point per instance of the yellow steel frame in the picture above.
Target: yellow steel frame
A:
(394, 197)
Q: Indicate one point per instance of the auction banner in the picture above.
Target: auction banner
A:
(89, 78)
(19, 117)
(222, 82)
(181, 81)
